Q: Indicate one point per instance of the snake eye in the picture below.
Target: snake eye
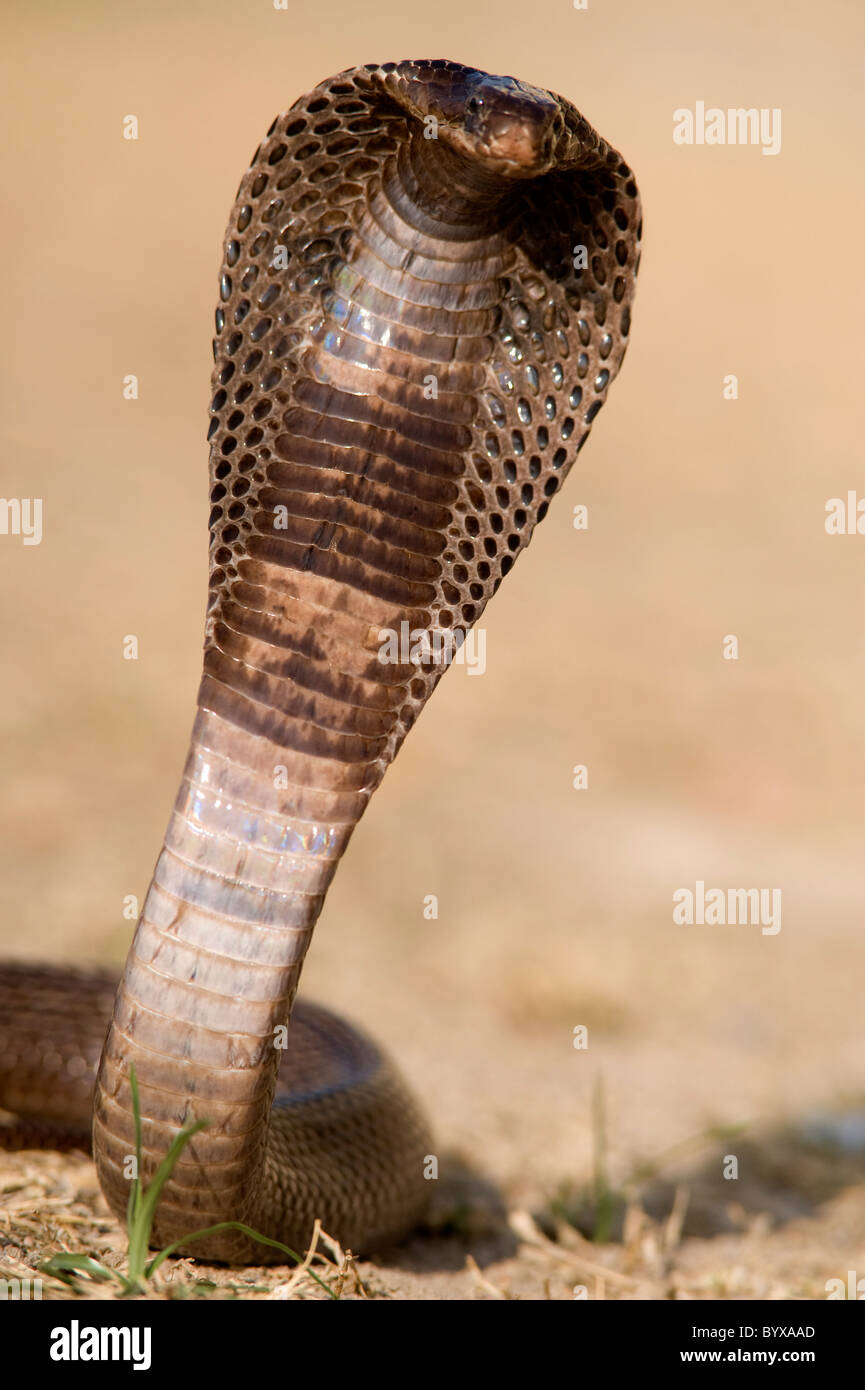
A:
(474, 106)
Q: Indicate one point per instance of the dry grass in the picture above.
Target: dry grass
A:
(789, 1226)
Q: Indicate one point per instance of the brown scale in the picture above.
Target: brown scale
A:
(407, 362)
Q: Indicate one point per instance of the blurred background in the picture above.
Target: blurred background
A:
(605, 646)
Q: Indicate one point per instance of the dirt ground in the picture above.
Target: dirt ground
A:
(601, 1167)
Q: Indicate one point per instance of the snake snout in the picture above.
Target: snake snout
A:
(513, 124)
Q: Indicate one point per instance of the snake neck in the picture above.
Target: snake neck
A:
(438, 184)
(344, 534)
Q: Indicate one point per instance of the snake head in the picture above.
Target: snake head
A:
(508, 126)
(499, 123)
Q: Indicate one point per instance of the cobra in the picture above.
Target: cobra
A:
(425, 294)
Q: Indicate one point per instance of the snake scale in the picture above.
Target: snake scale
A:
(425, 293)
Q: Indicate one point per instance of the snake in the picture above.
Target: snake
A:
(424, 296)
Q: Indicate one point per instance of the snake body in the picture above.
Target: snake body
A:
(425, 293)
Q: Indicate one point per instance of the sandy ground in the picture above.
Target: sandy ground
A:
(604, 648)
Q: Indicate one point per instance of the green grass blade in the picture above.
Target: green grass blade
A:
(139, 1232)
(135, 1189)
(65, 1264)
